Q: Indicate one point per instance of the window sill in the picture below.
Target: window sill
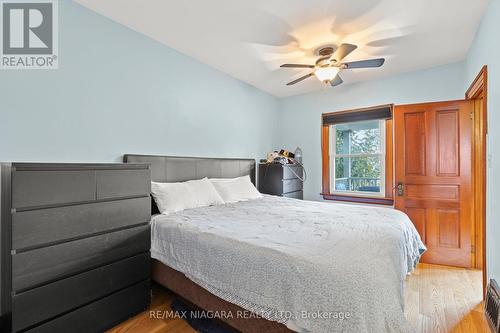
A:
(358, 199)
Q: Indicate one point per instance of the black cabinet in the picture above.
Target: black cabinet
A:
(75, 242)
(282, 180)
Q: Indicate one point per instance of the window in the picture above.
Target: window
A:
(357, 155)
(358, 158)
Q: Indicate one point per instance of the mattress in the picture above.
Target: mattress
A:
(313, 266)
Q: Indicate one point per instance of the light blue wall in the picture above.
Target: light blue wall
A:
(301, 115)
(117, 92)
(486, 51)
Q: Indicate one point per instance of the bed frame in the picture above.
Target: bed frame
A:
(172, 169)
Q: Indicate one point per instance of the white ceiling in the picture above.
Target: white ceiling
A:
(249, 39)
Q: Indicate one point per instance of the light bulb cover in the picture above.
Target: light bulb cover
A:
(326, 73)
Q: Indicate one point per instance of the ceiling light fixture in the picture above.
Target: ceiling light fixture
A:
(327, 67)
(326, 74)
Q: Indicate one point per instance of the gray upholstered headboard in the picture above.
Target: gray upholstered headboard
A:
(177, 169)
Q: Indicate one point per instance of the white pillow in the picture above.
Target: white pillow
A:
(174, 197)
(235, 189)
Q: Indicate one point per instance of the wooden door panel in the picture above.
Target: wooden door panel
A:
(417, 215)
(448, 227)
(433, 161)
(414, 128)
(448, 145)
(434, 180)
(433, 203)
(432, 191)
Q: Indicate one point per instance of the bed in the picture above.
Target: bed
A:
(280, 264)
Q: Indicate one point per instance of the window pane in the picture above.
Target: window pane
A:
(339, 167)
(358, 174)
(341, 140)
(358, 138)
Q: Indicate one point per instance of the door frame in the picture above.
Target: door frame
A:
(479, 90)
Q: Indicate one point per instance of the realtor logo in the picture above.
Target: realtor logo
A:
(29, 36)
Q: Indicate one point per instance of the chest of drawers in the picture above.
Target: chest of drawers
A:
(281, 180)
(75, 243)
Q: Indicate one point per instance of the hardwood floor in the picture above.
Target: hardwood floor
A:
(438, 299)
(445, 299)
(145, 323)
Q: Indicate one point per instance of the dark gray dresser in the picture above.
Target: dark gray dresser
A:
(282, 180)
(75, 243)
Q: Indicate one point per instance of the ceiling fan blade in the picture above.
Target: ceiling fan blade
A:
(365, 63)
(296, 66)
(336, 81)
(300, 79)
(343, 51)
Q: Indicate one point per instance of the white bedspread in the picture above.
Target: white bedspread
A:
(293, 261)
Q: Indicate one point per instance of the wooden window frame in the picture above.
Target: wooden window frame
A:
(327, 194)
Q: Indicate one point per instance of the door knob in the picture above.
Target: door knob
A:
(400, 189)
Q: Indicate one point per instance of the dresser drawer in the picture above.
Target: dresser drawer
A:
(38, 227)
(51, 187)
(45, 302)
(94, 318)
(294, 195)
(292, 171)
(280, 187)
(43, 265)
(122, 183)
(292, 185)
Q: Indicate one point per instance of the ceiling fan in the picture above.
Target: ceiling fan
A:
(330, 63)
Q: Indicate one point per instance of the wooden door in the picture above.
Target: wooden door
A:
(433, 176)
